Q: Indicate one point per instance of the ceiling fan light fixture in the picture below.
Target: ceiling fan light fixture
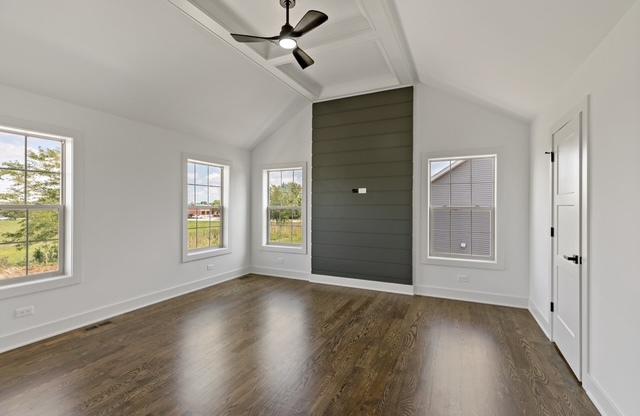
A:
(287, 43)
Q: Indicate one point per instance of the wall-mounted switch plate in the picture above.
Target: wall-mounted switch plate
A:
(24, 311)
(359, 190)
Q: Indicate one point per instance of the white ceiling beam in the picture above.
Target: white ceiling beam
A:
(383, 17)
(208, 23)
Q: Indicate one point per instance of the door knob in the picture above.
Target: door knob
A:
(575, 258)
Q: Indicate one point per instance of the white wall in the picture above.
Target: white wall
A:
(611, 76)
(130, 229)
(290, 143)
(443, 121)
(448, 123)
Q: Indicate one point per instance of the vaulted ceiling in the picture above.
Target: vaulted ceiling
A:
(172, 62)
(511, 53)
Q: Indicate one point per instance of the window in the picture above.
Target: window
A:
(284, 196)
(32, 206)
(462, 208)
(205, 214)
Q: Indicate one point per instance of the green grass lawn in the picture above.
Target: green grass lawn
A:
(286, 232)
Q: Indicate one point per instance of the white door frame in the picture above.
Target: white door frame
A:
(582, 112)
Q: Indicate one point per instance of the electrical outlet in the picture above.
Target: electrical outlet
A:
(24, 311)
(211, 267)
(463, 278)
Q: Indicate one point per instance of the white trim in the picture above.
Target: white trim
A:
(284, 273)
(600, 398)
(472, 296)
(539, 317)
(73, 181)
(362, 284)
(187, 255)
(498, 263)
(293, 249)
(53, 328)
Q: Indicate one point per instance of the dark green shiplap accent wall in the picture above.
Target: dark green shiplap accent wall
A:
(363, 142)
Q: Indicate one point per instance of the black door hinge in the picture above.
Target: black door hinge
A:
(553, 232)
(553, 156)
(552, 307)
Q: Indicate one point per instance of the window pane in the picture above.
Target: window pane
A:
(215, 196)
(191, 173)
(440, 172)
(13, 260)
(287, 176)
(461, 231)
(275, 178)
(483, 170)
(44, 155)
(12, 186)
(483, 194)
(216, 233)
(12, 226)
(460, 195)
(43, 257)
(215, 176)
(11, 151)
(201, 174)
(43, 188)
(481, 244)
(461, 171)
(43, 225)
(191, 233)
(440, 195)
(297, 176)
(202, 195)
(202, 235)
(191, 195)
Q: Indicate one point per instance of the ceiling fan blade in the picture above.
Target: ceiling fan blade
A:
(251, 39)
(309, 21)
(303, 59)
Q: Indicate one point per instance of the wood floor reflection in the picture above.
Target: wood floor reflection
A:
(268, 346)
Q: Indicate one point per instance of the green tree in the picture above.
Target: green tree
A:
(42, 182)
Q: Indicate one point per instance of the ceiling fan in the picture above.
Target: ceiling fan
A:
(288, 38)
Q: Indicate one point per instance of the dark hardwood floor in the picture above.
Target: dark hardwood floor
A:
(268, 346)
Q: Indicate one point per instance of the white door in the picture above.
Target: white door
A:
(567, 256)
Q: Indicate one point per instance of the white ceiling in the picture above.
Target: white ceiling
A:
(512, 53)
(172, 62)
(359, 49)
(140, 59)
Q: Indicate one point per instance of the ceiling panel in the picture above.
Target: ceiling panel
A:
(359, 49)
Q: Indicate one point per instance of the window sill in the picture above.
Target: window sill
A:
(199, 255)
(464, 263)
(37, 285)
(285, 249)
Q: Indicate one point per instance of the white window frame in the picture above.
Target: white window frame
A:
(497, 263)
(193, 255)
(68, 273)
(293, 249)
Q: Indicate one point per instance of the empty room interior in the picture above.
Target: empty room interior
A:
(319, 207)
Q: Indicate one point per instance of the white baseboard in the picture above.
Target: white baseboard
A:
(277, 272)
(599, 397)
(540, 318)
(53, 328)
(362, 284)
(472, 296)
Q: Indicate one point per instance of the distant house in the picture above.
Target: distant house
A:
(204, 212)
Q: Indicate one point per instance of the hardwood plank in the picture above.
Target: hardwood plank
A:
(267, 346)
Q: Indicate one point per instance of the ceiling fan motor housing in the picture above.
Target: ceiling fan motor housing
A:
(290, 3)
